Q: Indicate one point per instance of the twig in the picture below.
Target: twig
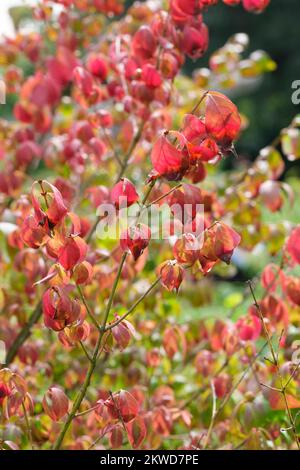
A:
(164, 195)
(95, 442)
(266, 331)
(44, 193)
(292, 376)
(124, 165)
(237, 384)
(110, 144)
(85, 412)
(89, 312)
(282, 389)
(213, 415)
(92, 230)
(85, 351)
(131, 149)
(201, 389)
(27, 425)
(270, 388)
(118, 410)
(133, 307)
(98, 347)
(82, 392)
(232, 390)
(199, 102)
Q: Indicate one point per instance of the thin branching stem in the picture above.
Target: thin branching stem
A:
(133, 307)
(98, 348)
(227, 397)
(89, 311)
(164, 195)
(275, 362)
(82, 392)
(85, 351)
(213, 414)
(28, 428)
(118, 411)
(131, 149)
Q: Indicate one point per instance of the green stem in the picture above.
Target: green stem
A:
(89, 312)
(274, 361)
(164, 195)
(82, 392)
(131, 149)
(85, 351)
(133, 307)
(27, 425)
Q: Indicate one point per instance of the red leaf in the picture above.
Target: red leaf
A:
(143, 43)
(275, 309)
(195, 40)
(271, 276)
(173, 341)
(194, 128)
(27, 152)
(226, 240)
(122, 333)
(153, 358)
(270, 193)
(151, 76)
(232, 3)
(97, 66)
(116, 437)
(59, 309)
(186, 249)
(55, 403)
(293, 289)
(172, 275)
(83, 80)
(196, 172)
(293, 245)
(256, 6)
(222, 119)
(72, 252)
(124, 404)
(167, 160)
(277, 402)
(207, 150)
(5, 391)
(222, 384)
(136, 239)
(33, 234)
(98, 195)
(127, 405)
(162, 421)
(83, 273)
(56, 209)
(249, 328)
(124, 194)
(184, 201)
(136, 431)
